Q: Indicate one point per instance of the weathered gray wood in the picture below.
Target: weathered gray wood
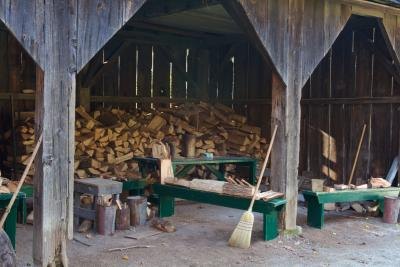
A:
(98, 21)
(55, 103)
(61, 36)
(7, 253)
(23, 19)
(296, 43)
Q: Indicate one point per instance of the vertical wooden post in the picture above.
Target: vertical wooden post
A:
(55, 116)
(285, 153)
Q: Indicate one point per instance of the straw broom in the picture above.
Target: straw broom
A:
(241, 236)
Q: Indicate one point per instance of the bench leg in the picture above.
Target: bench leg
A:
(10, 225)
(166, 206)
(315, 213)
(270, 225)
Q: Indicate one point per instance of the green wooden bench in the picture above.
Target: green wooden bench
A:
(10, 226)
(316, 200)
(216, 165)
(134, 187)
(269, 209)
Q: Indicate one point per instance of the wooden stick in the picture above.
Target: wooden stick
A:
(263, 168)
(357, 154)
(246, 183)
(21, 182)
(125, 248)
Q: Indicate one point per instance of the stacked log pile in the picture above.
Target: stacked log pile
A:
(24, 145)
(107, 140)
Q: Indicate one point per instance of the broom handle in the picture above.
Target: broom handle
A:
(357, 154)
(21, 182)
(263, 169)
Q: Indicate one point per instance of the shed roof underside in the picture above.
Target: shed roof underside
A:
(394, 3)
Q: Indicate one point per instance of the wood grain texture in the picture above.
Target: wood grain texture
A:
(61, 36)
(296, 43)
(98, 21)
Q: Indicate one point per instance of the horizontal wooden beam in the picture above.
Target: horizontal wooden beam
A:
(267, 101)
(138, 99)
(352, 101)
(14, 96)
(160, 36)
(155, 8)
(371, 6)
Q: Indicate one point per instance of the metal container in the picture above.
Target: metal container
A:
(106, 219)
(391, 209)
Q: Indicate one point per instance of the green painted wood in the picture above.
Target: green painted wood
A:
(10, 225)
(315, 211)
(134, 187)
(353, 195)
(270, 225)
(316, 200)
(260, 206)
(166, 206)
(146, 163)
(269, 209)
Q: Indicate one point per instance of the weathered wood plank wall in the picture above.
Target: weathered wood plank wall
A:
(61, 36)
(235, 83)
(295, 44)
(356, 67)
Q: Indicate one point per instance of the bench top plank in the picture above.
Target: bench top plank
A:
(195, 161)
(260, 206)
(352, 195)
(97, 186)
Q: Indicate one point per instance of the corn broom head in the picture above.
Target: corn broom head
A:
(241, 236)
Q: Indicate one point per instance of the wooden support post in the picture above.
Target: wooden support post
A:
(285, 154)
(55, 116)
(84, 98)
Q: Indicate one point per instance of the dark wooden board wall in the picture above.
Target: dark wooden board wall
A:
(247, 77)
(352, 69)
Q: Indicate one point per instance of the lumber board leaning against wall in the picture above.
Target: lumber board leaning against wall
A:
(285, 34)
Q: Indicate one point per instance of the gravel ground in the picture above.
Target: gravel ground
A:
(348, 239)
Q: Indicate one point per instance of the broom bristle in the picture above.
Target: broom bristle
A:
(241, 236)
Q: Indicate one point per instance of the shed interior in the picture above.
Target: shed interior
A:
(168, 55)
(181, 53)
(356, 83)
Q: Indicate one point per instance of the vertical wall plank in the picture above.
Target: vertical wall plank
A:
(144, 72)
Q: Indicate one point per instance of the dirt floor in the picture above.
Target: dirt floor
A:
(348, 239)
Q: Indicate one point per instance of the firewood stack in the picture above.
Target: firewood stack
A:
(107, 140)
(25, 142)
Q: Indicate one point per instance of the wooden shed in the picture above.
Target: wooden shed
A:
(317, 69)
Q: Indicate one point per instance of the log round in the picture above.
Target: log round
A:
(7, 253)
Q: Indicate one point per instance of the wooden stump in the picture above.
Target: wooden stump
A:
(7, 253)
(123, 221)
(190, 145)
(138, 210)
